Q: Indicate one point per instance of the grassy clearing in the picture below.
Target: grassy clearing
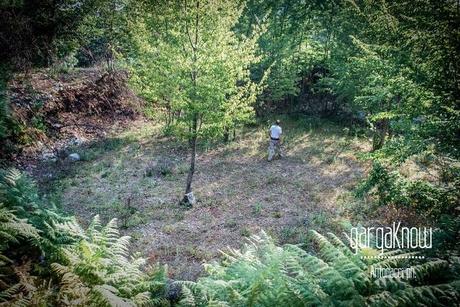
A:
(239, 192)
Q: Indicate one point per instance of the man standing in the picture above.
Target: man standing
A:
(275, 137)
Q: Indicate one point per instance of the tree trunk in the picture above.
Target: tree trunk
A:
(189, 199)
(191, 171)
(381, 130)
(226, 135)
(193, 138)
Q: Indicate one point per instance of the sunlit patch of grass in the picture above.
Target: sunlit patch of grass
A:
(168, 228)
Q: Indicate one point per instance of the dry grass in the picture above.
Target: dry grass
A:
(239, 192)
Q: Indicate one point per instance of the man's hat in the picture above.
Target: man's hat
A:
(278, 122)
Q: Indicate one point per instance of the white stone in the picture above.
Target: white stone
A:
(191, 200)
(74, 157)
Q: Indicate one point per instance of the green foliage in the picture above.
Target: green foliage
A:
(3, 103)
(20, 195)
(92, 267)
(263, 274)
(287, 47)
(105, 33)
(8, 126)
(445, 238)
(192, 63)
(18, 237)
(390, 188)
(203, 62)
(99, 272)
(12, 228)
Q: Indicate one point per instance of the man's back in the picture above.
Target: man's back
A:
(275, 132)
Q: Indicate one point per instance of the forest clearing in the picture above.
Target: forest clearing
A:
(238, 191)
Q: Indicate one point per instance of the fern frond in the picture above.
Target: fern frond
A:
(108, 294)
(263, 274)
(110, 231)
(72, 228)
(188, 299)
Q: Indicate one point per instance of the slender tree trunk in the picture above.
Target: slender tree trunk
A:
(227, 135)
(381, 130)
(188, 197)
(188, 187)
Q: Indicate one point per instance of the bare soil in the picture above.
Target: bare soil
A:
(54, 111)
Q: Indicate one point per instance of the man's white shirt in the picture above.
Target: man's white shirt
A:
(275, 132)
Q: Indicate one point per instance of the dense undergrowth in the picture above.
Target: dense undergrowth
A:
(263, 274)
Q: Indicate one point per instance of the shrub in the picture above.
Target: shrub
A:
(389, 187)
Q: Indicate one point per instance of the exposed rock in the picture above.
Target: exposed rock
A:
(76, 142)
(56, 125)
(189, 200)
(49, 156)
(74, 157)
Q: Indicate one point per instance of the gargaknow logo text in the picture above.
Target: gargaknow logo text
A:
(388, 238)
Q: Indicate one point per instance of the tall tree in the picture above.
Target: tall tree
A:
(287, 46)
(105, 32)
(191, 57)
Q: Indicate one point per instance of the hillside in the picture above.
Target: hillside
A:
(53, 110)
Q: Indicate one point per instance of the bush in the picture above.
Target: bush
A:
(8, 126)
(390, 188)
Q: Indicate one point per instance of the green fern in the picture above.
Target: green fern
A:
(12, 228)
(100, 272)
(19, 194)
(93, 267)
(263, 274)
